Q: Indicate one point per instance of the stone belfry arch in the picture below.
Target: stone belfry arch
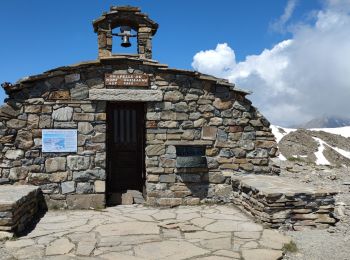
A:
(125, 16)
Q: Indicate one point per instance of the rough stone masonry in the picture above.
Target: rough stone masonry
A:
(182, 108)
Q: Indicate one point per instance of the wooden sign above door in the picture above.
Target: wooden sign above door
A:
(123, 80)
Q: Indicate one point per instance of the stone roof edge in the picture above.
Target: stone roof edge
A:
(64, 70)
(114, 10)
(202, 76)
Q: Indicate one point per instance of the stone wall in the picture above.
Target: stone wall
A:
(235, 135)
(278, 202)
(19, 205)
(194, 111)
(59, 102)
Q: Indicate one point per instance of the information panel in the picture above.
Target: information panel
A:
(59, 140)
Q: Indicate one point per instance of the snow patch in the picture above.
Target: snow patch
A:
(320, 159)
(281, 157)
(343, 131)
(341, 151)
(280, 132)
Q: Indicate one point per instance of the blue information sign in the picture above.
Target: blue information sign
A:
(59, 140)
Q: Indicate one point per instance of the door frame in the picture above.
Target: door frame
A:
(110, 106)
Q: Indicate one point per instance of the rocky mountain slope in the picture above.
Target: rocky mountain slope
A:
(319, 157)
(322, 146)
(311, 243)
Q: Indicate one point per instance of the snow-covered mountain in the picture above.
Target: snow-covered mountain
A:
(326, 122)
(323, 146)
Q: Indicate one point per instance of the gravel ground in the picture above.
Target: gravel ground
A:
(332, 243)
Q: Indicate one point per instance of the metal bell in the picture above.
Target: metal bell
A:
(125, 41)
(125, 34)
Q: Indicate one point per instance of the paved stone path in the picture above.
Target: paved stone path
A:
(137, 232)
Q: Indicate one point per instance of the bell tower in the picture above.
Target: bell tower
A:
(126, 18)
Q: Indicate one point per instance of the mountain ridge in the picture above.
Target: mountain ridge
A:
(325, 122)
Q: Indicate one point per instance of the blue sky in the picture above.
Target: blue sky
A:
(39, 35)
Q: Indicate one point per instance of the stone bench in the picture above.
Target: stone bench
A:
(276, 201)
(18, 206)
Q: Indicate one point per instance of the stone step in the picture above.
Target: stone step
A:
(127, 198)
(132, 197)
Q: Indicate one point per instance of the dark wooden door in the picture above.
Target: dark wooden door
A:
(125, 147)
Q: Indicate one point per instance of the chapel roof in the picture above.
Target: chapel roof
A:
(116, 60)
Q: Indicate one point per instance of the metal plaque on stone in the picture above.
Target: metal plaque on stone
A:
(59, 140)
(124, 80)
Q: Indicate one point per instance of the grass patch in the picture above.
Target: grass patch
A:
(295, 159)
(290, 247)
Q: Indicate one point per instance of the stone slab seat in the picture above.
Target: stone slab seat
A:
(18, 205)
(278, 201)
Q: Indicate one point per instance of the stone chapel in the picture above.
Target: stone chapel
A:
(126, 127)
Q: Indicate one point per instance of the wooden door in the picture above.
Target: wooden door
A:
(125, 147)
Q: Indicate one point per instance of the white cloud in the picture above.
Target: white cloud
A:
(218, 61)
(299, 78)
(280, 23)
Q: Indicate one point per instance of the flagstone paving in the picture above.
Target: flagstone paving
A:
(139, 232)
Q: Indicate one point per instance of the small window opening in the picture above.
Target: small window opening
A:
(190, 157)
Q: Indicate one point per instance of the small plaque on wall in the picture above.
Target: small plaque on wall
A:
(122, 80)
(59, 140)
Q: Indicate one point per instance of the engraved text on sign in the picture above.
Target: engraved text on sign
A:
(120, 80)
